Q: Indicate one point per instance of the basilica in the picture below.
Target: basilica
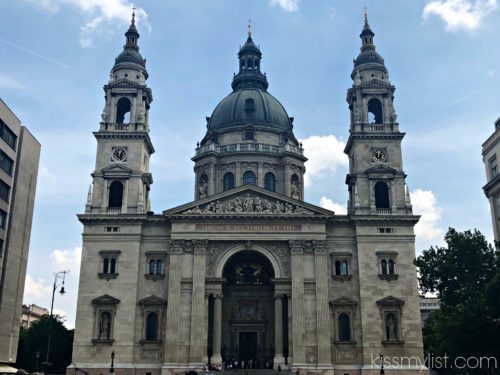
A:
(248, 272)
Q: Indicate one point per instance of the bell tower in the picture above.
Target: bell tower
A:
(376, 179)
(121, 180)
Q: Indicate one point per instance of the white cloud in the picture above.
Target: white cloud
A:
(10, 83)
(425, 204)
(460, 14)
(288, 5)
(332, 12)
(325, 154)
(100, 12)
(68, 260)
(339, 209)
(36, 288)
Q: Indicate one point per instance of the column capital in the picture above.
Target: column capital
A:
(297, 247)
(279, 296)
(200, 247)
(176, 246)
(320, 247)
(218, 296)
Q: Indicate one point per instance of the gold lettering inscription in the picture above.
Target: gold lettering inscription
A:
(249, 227)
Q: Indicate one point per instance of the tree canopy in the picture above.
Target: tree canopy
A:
(465, 274)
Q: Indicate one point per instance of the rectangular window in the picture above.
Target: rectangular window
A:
(8, 135)
(6, 163)
(494, 167)
(4, 191)
(3, 218)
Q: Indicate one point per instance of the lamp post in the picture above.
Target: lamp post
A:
(382, 372)
(112, 368)
(58, 275)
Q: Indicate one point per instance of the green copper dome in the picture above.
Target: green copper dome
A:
(250, 103)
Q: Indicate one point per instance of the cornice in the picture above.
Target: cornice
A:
(126, 135)
(369, 136)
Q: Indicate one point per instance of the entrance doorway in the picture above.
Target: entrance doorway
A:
(248, 346)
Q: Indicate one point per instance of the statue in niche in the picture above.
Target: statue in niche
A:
(105, 326)
(203, 189)
(357, 116)
(104, 116)
(248, 203)
(390, 327)
(140, 116)
(294, 190)
(394, 117)
(279, 209)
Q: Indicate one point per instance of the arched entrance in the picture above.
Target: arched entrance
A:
(248, 311)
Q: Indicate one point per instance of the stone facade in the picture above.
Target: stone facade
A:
(491, 155)
(19, 157)
(248, 271)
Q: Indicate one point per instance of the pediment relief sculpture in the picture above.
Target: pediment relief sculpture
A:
(249, 204)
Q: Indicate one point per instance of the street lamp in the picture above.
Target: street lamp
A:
(58, 275)
(382, 372)
(112, 368)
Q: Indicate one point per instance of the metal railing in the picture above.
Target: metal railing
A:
(249, 147)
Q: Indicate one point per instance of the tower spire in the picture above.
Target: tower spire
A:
(133, 16)
(249, 28)
(366, 17)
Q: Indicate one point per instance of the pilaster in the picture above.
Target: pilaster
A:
(297, 251)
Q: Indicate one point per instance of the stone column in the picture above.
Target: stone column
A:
(260, 174)
(174, 301)
(217, 332)
(290, 333)
(211, 179)
(205, 331)
(278, 330)
(322, 304)
(297, 251)
(237, 174)
(198, 333)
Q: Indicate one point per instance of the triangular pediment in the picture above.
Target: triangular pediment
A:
(105, 300)
(248, 200)
(390, 301)
(152, 300)
(115, 171)
(381, 169)
(343, 301)
(124, 83)
(375, 84)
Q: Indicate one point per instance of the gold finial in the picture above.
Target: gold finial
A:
(366, 15)
(249, 28)
(133, 14)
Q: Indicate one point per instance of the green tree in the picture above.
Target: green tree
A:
(465, 274)
(34, 339)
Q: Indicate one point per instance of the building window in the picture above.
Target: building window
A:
(249, 178)
(4, 191)
(109, 264)
(387, 261)
(228, 181)
(249, 105)
(152, 312)
(270, 182)
(123, 111)
(152, 326)
(249, 135)
(8, 135)
(115, 195)
(381, 195)
(341, 266)
(494, 167)
(344, 327)
(155, 261)
(344, 310)
(6, 163)
(3, 219)
(375, 111)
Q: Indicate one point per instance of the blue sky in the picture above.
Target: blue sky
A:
(442, 57)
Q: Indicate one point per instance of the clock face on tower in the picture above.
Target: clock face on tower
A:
(378, 154)
(119, 154)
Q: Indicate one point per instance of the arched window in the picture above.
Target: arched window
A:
(152, 326)
(152, 267)
(249, 178)
(383, 265)
(390, 265)
(249, 105)
(123, 111)
(228, 181)
(249, 135)
(159, 267)
(344, 268)
(105, 265)
(270, 182)
(115, 195)
(344, 327)
(112, 265)
(381, 195)
(337, 267)
(375, 111)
